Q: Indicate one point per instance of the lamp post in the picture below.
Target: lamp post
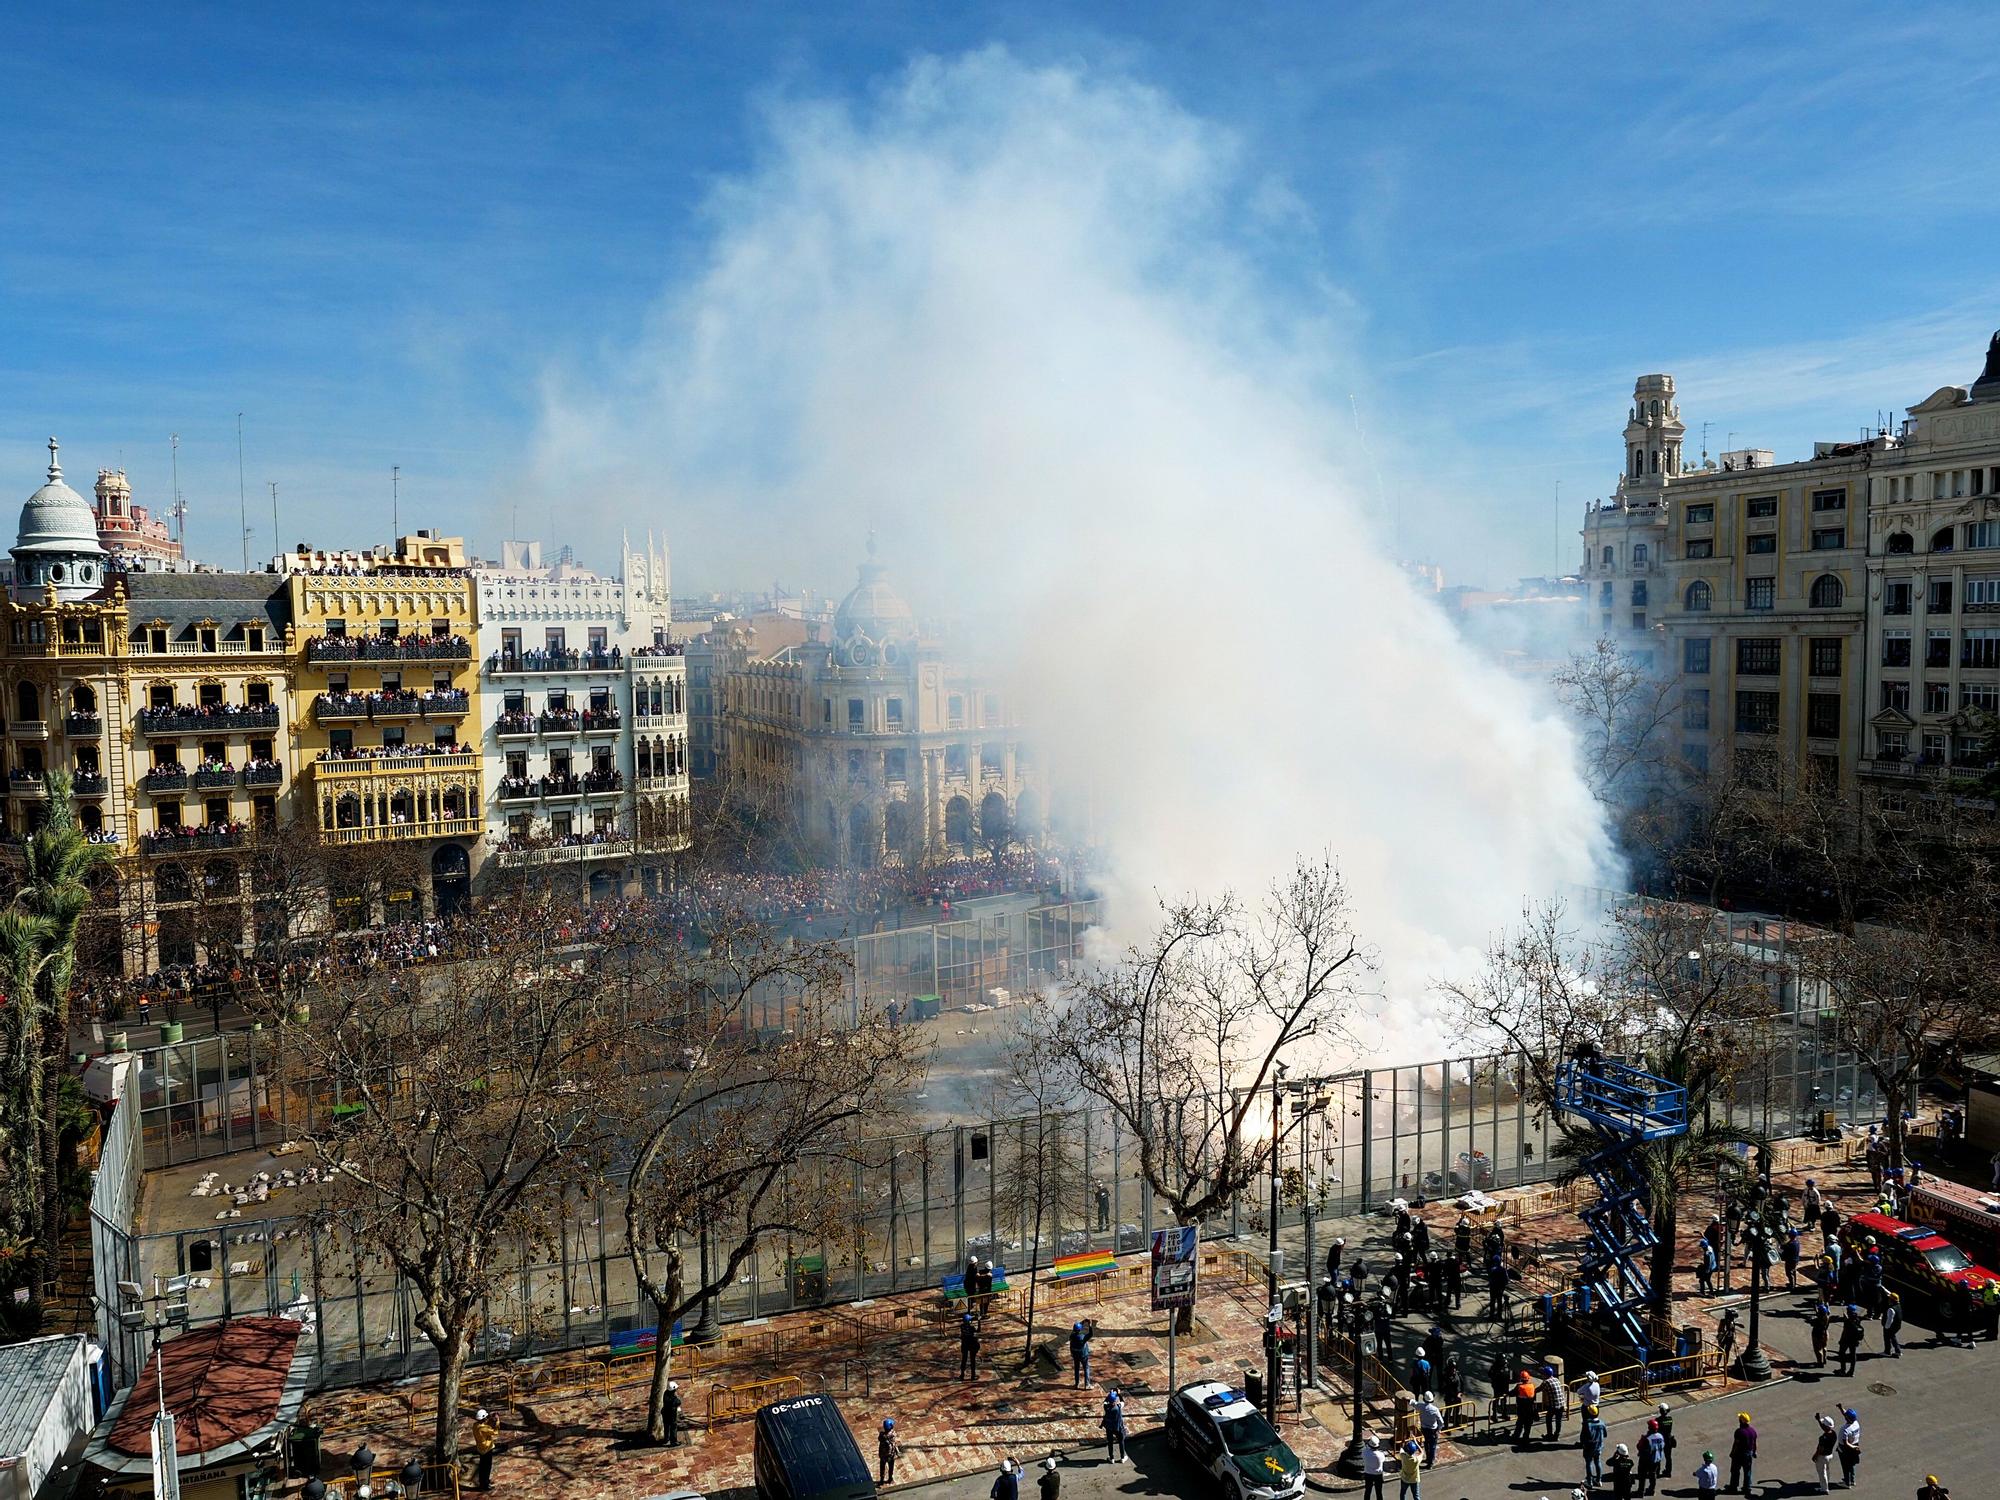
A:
(1353, 1313)
(706, 1326)
(1756, 1236)
(1271, 1264)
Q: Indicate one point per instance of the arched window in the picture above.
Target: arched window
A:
(1901, 542)
(1608, 555)
(1941, 539)
(82, 700)
(1827, 592)
(1639, 553)
(1699, 597)
(27, 703)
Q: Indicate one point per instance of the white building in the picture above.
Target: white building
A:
(583, 718)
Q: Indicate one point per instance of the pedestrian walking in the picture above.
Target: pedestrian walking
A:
(1592, 1443)
(1652, 1450)
(1620, 1465)
(968, 1347)
(1725, 1340)
(1850, 1340)
(1371, 1468)
(886, 1450)
(1079, 1355)
(1704, 1270)
(485, 1434)
(1114, 1428)
(670, 1413)
(1742, 1454)
(1555, 1404)
(1892, 1325)
(1524, 1410)
(1707, 1478)
(1008, 1485)
(1822, 1320)
(1050, 1483)
(1827, 1439)
(1410, 1473)
(1849, 1451)
(1451, 1386)
(1333, 1252)
(1420, 1370)
(1664, 1415)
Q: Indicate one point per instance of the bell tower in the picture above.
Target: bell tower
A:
(1653, 434)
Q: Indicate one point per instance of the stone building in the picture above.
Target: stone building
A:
(135, 539)
(876, 745)
(583, 721)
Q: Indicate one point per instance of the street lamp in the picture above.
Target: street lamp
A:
(1271, 1265)
(706, 1327)
(1756, 1238)
(1353, 1314)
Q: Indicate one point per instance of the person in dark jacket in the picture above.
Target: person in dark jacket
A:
(670, 1413)
(1742, 1455)
(1050, 1483)
(968, 1347)
(1620, 1465)
(886, 1449)
(1892, 1325)
(1114, 1428)
(1008, 1485)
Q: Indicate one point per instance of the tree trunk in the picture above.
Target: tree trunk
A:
(663, 1366)
(1893, 1091)
(1660, 1271)
(453, 1352)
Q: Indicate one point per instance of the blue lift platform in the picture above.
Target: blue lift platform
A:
(1628, 1107)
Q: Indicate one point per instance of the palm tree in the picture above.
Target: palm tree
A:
(23, 942)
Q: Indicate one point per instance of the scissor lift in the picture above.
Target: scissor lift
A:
(1629, 1106)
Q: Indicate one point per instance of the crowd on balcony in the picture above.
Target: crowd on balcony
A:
(192, 835)
(514, 721)
(561, 718)
(394, 701)
(606, 779)
(388, 648)
(554, 659)
(416, 750)
(592, 838)
(194, 717)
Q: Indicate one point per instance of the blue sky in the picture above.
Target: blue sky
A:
(377, 230)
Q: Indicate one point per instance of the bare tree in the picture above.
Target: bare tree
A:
(484, 1100)
(738, 1130)
(1049, 1178)
(1653, 983)
(1625, 714)
(1180, 1039)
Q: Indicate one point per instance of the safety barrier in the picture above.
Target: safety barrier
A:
(439, 1479)
(727, 1401)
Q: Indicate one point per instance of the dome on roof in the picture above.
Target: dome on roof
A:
(56, 518)
(873, 613)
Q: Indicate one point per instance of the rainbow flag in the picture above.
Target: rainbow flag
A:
(1084, 1263)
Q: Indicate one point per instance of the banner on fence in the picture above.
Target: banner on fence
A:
(1176, 1253)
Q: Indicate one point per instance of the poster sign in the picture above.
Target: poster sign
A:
(1175, 1255)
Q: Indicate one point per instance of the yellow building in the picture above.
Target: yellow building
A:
(387, 695)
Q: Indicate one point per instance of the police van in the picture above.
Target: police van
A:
(804, 1451)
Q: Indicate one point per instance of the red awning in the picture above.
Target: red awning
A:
(222, 1384)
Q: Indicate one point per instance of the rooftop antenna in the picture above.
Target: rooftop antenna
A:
(1559, 530)
(242, 497)
(179, 510)
(274, 517)
(395, 498)
(1704, 442)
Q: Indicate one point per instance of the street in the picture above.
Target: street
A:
(1927, 1413)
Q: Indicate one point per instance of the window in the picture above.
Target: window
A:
(1937, 598)
(556, 639)
(1761, 544)
(1895, 648)
(1604, 593)
(1982, 534)
(340, 741)
(1937, 648)
(1901, 543)
(1757, 713)
(1823, 715)
(600, 640)
(1825, 656)
(1941, 539)
(857, 773)
(1823, 771)
(1758, 657)
(1608, 554)
(1700, 547)
(1981, 594)
(1760, 593)
(854, 713)
(1699, 597)
(989, 708)
(1826, 592)
(954, 760)
(1640, 552)
(1896, 695)
(1700, 515)
(1761, 507)
(1639, 593)
(1983, 696)
(210, 641)
(1694, 656)
(156, 697)
(1936, 748)
(954, 711)
(1892, 744)
(1696, 757)
(1937, 697)
(253, 638)
(1979, 648)
(1694, 708)
(895, 713)
(1829, 538)
(156, 640)
(1829, 500)
(896, 766)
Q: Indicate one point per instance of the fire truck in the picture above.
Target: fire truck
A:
(1966, 1215)
(1935, 1278)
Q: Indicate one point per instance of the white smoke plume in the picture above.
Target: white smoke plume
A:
(1018, 320)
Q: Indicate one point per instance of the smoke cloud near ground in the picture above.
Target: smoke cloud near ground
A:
(1021, 322)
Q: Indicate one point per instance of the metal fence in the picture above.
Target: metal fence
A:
(935, 1197)
(115, 1250)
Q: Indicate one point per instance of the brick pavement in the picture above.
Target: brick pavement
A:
(580, 1444)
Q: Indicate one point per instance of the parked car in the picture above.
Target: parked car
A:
(1214, 1427)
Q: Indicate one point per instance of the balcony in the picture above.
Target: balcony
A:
(1906, 768)
(381, 767)
(602, 721)
(558, 785)
(88, 784)
(195, 840)
(338, 708)
(517, 789)
(531, 663)
(389, 833)
(165, 779)
(264, 773)
(514, 725)
(28, 729)
(210, 777)
(603, 783)
(571, 848)
(351, 648)
(560, 721)
(212, 718)
(83, 726)
(27, 783)
(273, 645)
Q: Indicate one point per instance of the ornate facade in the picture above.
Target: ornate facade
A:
(874, 745)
